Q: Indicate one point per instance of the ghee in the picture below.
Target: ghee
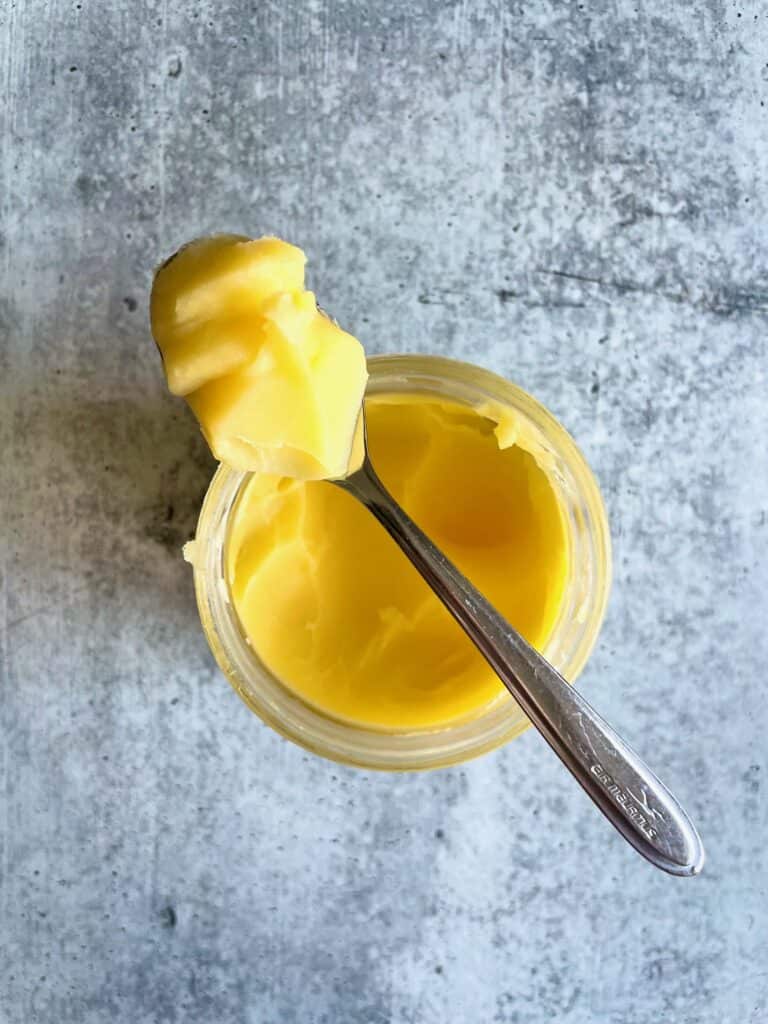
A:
(324, 597)
(275, 384)
(335, 610)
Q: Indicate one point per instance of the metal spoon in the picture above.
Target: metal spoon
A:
(623, 787)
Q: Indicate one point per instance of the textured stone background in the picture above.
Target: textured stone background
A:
(573, 194)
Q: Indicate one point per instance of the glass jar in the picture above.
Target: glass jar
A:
(569, 645)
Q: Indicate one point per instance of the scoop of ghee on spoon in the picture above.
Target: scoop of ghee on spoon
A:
(276, 385)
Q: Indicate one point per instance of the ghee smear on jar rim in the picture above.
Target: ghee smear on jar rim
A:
(326, 599)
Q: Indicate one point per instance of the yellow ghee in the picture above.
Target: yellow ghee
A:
(325, 597)
(335, 610)
(275, 384)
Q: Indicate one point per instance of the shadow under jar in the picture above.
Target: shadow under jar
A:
(569, 644)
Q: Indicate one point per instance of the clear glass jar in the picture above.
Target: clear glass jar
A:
(568, 648)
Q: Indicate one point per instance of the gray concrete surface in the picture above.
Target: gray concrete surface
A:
(573, 194)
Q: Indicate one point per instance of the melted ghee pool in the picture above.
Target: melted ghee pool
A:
(338, 614)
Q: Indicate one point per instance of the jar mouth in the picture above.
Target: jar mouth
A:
(570, 643)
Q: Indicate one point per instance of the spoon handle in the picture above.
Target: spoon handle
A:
(623, 787)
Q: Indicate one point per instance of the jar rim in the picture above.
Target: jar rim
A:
(569, 645)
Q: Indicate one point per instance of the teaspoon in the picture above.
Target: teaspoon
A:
(627, 792)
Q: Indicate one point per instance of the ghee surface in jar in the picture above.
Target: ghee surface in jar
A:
(337, 612)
